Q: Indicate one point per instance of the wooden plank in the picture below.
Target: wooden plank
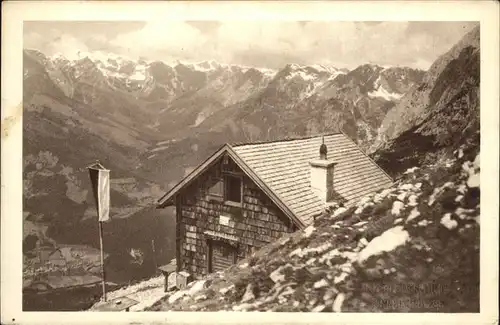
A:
(221, 256)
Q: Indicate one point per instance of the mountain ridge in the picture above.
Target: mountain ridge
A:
(439, 114)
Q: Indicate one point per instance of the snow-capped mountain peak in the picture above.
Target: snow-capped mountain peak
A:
(105, 57)
(324, 68)
(205, 66)
(229, 83)
(295, 66)
(138, 70)
(212, 65)
(381, 92)
(301, 74)
(58, 57)
(311, 73)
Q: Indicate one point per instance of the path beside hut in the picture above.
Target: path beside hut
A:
(146, 293)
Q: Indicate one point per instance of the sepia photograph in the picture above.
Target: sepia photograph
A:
(239, 165)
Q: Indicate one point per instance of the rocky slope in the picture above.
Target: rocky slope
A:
(411, 248)
(436, 115)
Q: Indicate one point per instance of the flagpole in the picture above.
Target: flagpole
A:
(95, 180)
(102, 262)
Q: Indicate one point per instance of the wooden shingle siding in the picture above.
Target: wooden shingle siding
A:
(257, 223)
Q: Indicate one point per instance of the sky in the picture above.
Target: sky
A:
(269, 44)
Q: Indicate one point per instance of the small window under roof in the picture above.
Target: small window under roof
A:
(232, 190)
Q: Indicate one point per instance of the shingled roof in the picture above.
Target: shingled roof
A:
(281, 168)
(284, 167)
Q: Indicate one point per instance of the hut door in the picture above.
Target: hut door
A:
(221, 256)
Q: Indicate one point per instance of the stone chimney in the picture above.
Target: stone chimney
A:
(322, 174)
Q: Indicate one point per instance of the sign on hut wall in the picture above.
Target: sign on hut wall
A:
(224, 220)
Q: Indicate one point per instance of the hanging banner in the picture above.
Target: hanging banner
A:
(99, 178)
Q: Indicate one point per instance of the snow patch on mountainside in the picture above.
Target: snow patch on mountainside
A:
(336, 74)
(318, 71)
(164, 142)
(323, 68)
(202, 116)
(205, 66)
(104, 57)
(161, 148)
(267, 72)
(301, 74)
(138, 75)
(210, 66)
(383, 93)
(311, 89)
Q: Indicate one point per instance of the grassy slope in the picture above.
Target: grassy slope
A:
(321, 268)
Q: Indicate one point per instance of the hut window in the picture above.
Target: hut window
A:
(216, 189)
(232, 191)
